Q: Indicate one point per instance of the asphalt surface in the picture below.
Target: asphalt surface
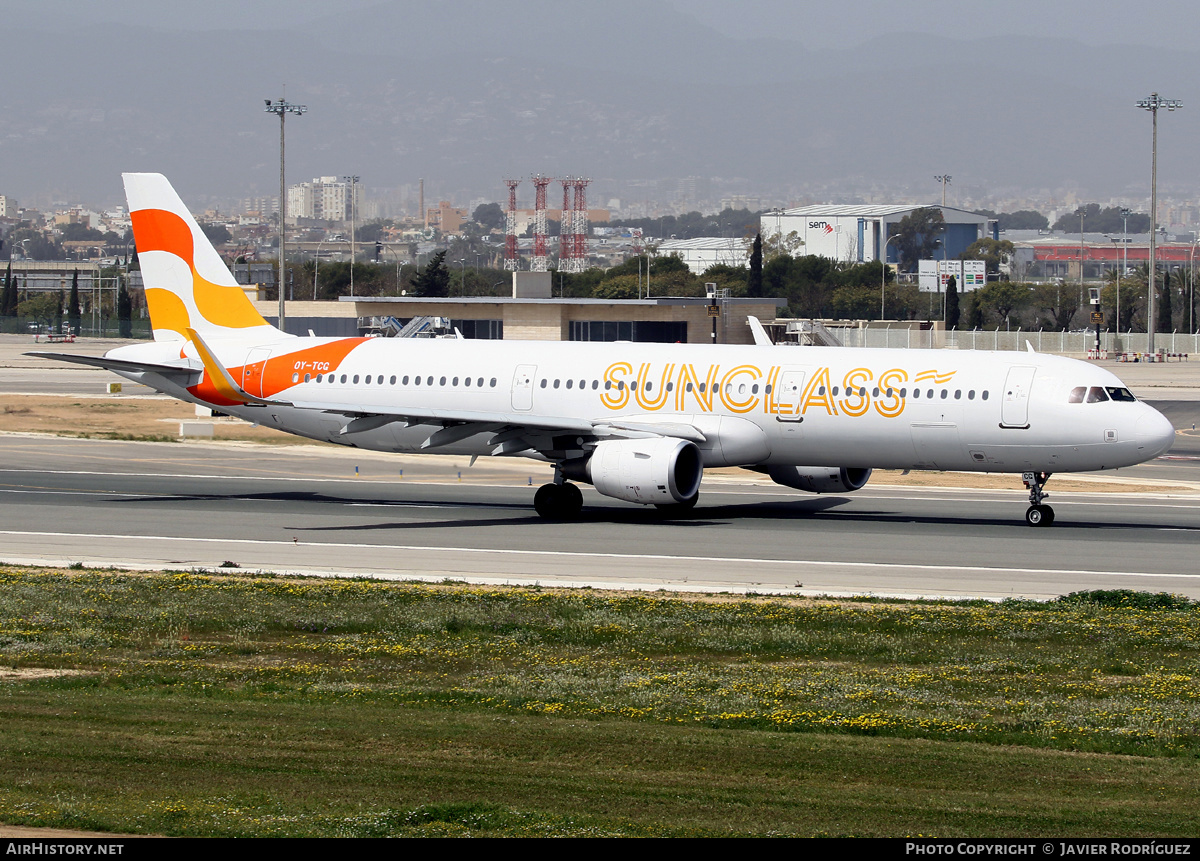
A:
(345, 512)
(306, 511)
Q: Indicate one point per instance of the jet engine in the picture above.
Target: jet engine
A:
(820, 479)
(657, 471)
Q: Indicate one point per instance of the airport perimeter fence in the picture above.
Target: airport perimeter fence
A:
(1067, 343)
(89, 328)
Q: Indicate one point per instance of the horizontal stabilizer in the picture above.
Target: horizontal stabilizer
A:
(184, 367)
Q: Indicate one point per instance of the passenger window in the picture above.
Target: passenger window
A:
(929, 393)
(455, 383)
(875, 392)
(649, 386)
(480, 382)
(670, 387)
(688, 387)
(595, 384)
(835, 391)
(607, 385)
(904, 392)
(633, 386)
(556, 384)
(307, 377)
(343, 378)
(320, 378)
(1095, 395)
(296, 377)
(944, 393)
(984, 395)
(543, 382)
(393, 380)
(570, 383)
(442, 381)
(416, 381)
(1076, 396)
(404, 380)
(583, 384)
(429, 381)
(971, 395)
(493, 382)
(467, 380)
(958, 394)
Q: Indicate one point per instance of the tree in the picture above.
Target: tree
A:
(489, 216)
(1002, 297)
(124, 312)
(951, 303)
(74, 311)
(918, 235)
(754, 285)
(434, 279)
(1022, 219)
(992, 252)
(217, 234)
(1108, 220)
(58, 313)
(1163, 323)
(8, 295)
(1059, 301)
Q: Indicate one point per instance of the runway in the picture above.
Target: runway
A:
(305, 510)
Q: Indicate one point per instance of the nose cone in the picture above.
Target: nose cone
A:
(1155, 435)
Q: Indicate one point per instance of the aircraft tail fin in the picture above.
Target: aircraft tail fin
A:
(188, 285)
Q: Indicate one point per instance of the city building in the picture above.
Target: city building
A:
(857, 233)
(326, 198)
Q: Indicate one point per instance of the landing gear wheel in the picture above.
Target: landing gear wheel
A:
(679, 509)
(558, 501)
(1039, 515)
(571, 500)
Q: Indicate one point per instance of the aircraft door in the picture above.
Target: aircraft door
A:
(1014, 409)
(787, 397)
(253, 371)
(522, 387)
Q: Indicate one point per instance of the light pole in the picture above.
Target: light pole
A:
(353, 181)
(316, 265)
(883, 273)
(944, 179)
(1152, 104)
(1081, 212)
(282, 108)
(1124, 260)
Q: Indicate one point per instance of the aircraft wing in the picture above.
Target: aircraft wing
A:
(537, 431)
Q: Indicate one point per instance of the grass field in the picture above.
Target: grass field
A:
(235, 704)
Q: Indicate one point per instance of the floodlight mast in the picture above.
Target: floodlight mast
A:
(282, 108)
(1152, 104)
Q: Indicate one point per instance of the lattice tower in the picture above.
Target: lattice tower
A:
(580, 251)
(539, 222)
(510, 227)
(566, 229)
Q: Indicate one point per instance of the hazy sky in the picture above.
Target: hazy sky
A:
(770, 96)
(1171, 23)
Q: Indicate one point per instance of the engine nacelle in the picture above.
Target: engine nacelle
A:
(820, 479)
(658, 471)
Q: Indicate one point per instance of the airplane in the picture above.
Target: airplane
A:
(640, 422)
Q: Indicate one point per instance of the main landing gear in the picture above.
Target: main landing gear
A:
(561, 501)
(1037, 514)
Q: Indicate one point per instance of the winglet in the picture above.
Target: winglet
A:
(1029, 348)
(761, 338)
(221, 380)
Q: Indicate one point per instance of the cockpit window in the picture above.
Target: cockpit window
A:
(1119, 394)
(1076, 396)
(1096, 394)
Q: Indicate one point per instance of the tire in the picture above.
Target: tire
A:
(547, 502)
(570, 501)
(1039, 515)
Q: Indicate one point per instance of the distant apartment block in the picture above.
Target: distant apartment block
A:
(326, 198)
(8, 207)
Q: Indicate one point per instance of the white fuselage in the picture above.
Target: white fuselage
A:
(898, 409)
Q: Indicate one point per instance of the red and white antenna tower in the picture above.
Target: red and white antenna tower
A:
(510, 227)
(566, 229)
(539, 222)
(579, 253)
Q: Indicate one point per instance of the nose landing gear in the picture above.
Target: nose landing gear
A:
(1037, 514)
